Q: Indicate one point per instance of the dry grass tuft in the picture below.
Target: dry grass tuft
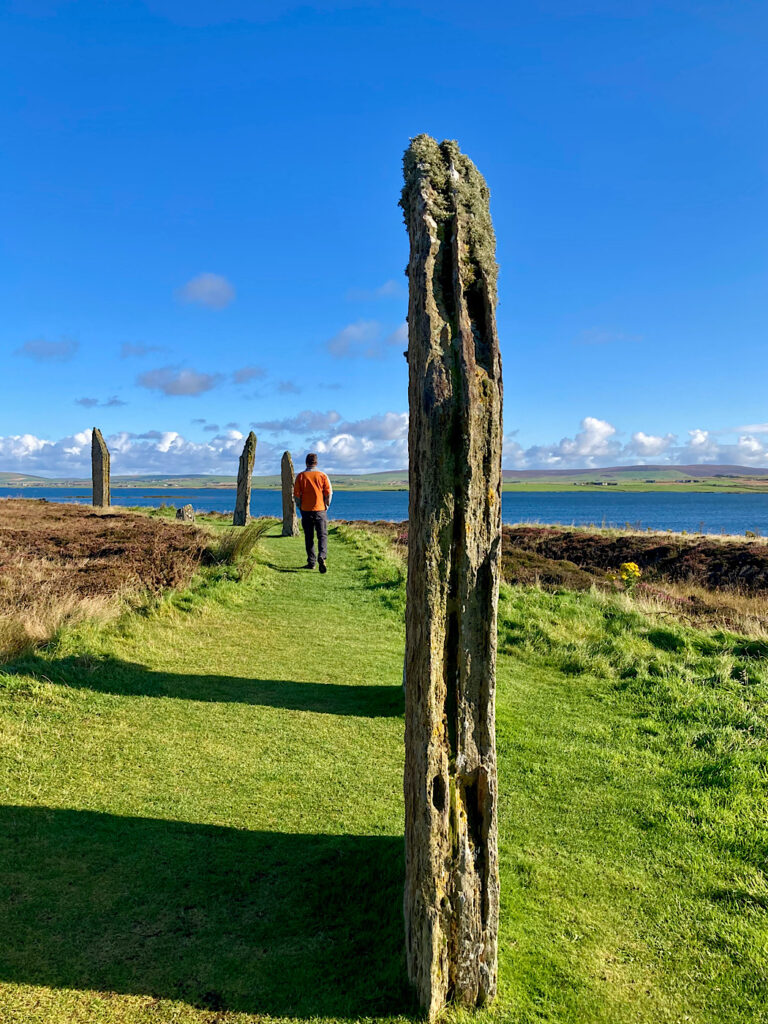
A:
(237, 545)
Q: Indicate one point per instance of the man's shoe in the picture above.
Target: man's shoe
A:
(321, 563)
(309, 565)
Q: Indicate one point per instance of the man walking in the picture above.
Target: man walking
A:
(313, 492)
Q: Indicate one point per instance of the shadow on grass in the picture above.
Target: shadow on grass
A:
(284, 568)
(105, 674)
(221, 918)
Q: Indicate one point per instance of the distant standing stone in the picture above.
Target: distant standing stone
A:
(290, 519)
(244, 474)
(100, 470)
(186, 513)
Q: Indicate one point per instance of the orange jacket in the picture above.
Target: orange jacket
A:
(313, 490)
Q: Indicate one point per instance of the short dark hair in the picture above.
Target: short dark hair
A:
(312, 459)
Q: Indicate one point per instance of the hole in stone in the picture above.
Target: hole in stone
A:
(474, 814)
(451, 663)
(442, 279)
(438, 793)
(477, 307)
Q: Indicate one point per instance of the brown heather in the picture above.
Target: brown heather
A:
(60, 564)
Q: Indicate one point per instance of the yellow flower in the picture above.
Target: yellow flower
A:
(630, 572)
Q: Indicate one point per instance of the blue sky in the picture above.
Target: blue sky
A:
(201, 231)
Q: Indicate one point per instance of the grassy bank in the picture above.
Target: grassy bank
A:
(202, 813)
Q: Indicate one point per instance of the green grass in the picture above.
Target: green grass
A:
(202, 813)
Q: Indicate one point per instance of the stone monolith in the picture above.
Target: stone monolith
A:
(290, 519)
(100, 470)
(186, 514)
(244, 474)
(454, 537)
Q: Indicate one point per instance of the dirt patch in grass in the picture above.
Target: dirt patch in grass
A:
(60, 563)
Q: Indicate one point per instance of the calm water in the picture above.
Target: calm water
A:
(732, 513)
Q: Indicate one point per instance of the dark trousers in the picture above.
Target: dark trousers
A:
(315, 523)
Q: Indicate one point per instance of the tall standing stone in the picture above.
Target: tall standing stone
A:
(454, 538)
(244, 474)
(290, 519)
(100, 470)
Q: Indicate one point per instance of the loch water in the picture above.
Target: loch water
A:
(694, 512)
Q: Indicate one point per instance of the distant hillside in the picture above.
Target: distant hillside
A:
(622, 478)
(344, 481)
(640, 478)
(665, 472)
(22, 480)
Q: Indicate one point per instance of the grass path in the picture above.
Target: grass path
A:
(207, 806)
(202, 822)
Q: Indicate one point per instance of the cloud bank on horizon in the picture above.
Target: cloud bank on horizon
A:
(375, 444)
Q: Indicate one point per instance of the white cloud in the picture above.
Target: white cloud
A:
(512, 453)
(365, 339)
(22, 446)
(398, 337)
(594, 442)
(374, 444)
(344, 453)
(699, 438)
(357, 339)
(154, 451)
(594, 438)
(750, 450)
(702, 446)
(207, 289)
(344, 447)
(171, 380)
(378, 442)
(597, 445)
(305, 422)
(43, 351)
(649, 445)
(388, 426)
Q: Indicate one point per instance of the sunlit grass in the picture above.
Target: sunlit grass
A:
(203, 808)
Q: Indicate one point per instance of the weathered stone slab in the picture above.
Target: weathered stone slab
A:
(100, 470)
(244, 474)
(454, 538)
(186, 514)
(290, 517)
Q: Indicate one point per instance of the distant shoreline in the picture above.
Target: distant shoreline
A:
(158, 490)
(703, 479)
